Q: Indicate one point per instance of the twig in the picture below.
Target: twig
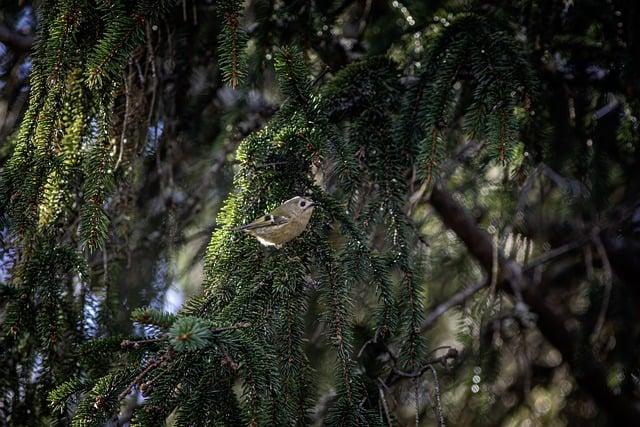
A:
(368, 342)
(385, 406)
(154, 75)
(385, 348)
(438, 407)
(588, 262)
(365, 345)
(611, 106)
(125, 120)
(494, 271)
(608, 275)
(588, 372)
(441, 347)
(417, 400)
(152, 365)
(198, 234)
(554, 253)
(572, 186)
(317, 79)
(457, 299)
(451, 354)
(135, 344)
(169, 353)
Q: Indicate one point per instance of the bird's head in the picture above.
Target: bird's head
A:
(298, 205)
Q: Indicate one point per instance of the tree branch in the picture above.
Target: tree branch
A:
(589, 374)
(457, 299)
(16, 41)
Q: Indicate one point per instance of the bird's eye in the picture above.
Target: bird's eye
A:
(267, 217)
(303, 204)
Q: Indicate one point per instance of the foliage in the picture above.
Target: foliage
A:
(414, 128)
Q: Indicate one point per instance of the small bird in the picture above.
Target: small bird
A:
(285, 223)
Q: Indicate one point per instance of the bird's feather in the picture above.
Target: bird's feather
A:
(265, 221)
(281, 211)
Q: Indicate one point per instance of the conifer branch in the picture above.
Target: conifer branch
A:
(232, 41)
(138, 379)
(358, 145)
(451, 354)
(585, 369)
(231, 22)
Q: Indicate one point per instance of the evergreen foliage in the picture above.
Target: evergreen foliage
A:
(232, 42)
(63, 148)
(377, 107)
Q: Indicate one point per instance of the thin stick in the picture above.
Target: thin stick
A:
(451, 354)
(154, 77)
(608, 275)
(135, 344)
(417, 397)
(438, 407)
(554, 253)
(385, 406)
(126, 344)
(123, 134)
(140, 376)
(458, 299)
(494, 271)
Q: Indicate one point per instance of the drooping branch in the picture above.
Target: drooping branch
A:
(589, 374)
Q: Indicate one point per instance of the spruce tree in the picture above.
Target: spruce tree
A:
(471, 258)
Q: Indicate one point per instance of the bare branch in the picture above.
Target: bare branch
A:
(607, 279)
(444, 359)
(555, 253)
(457, 299)
(18, 42)
(588, 372)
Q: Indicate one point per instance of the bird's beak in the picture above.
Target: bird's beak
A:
(310, 205)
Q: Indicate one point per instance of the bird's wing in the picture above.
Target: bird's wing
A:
(265, 221)
(281, 211)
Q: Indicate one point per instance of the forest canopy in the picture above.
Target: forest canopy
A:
(470, 175)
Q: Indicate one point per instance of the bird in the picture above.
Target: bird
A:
(283, 224)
